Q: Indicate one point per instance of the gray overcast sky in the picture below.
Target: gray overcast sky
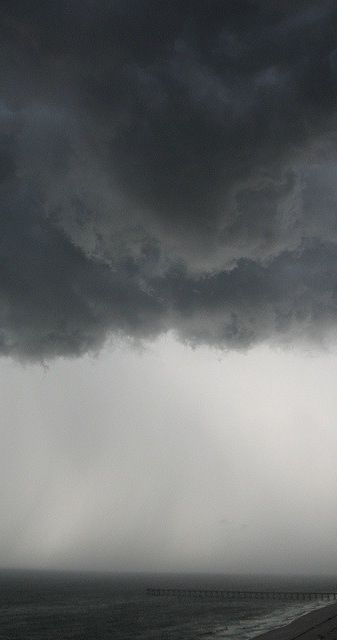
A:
(171, 459)
(168, 284)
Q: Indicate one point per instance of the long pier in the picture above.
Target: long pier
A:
(220, 594)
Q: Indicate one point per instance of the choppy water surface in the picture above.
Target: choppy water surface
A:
(43, 606)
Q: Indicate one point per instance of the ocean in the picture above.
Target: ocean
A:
(38, 605)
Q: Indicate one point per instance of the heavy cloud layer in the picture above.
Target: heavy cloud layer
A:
(167, 165)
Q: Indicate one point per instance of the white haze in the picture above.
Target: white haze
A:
(171, 459)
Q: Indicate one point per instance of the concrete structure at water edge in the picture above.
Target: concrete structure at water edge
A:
(221, 594)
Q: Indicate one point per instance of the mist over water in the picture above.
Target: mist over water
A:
(171, 458)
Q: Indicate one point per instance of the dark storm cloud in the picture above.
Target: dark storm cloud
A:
(166, 165)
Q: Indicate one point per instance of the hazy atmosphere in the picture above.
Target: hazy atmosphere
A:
(171, 459)
(168, 285)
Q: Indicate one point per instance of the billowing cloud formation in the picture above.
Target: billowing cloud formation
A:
(167, 165)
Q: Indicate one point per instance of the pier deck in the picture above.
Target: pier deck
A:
(221, 594)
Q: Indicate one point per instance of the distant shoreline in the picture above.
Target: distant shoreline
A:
(318, 624)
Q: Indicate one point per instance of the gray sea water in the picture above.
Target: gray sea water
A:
(84, 606)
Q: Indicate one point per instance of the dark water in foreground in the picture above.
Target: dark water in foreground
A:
(48, 606)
